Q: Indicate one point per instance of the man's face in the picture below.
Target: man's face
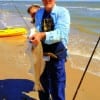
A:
(33, 11)
(48, 4)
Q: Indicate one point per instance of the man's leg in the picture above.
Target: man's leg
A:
(58, 77)
(44, 95)
(58, 91)
(45, 81)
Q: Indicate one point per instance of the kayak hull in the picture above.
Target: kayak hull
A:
(12, 31)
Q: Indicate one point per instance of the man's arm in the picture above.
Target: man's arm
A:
(61, 30)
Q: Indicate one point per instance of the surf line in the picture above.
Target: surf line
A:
(84, 73)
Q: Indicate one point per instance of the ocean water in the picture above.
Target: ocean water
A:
(85, 28)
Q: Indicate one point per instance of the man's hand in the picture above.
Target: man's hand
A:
(37, 37)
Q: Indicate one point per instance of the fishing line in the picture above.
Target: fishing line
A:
(84, 73)
(20, 15)
(29, 49)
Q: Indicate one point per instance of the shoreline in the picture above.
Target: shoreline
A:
(80, 62)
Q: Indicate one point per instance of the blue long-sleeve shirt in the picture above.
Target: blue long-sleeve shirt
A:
(61, 20)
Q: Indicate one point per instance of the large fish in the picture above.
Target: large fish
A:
(35, 54)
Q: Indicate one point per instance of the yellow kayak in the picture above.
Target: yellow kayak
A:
(12, 31)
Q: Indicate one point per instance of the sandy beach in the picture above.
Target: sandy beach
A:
(90, 87)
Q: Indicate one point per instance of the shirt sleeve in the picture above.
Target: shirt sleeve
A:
(62, 27)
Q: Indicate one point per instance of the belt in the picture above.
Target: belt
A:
(50, 54)
(53, 55)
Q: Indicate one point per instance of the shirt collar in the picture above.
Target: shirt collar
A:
(54, 9)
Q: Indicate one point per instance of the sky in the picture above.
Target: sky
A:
(56, 0)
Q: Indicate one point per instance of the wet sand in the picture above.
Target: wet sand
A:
(90, 87)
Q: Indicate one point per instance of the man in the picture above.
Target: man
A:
(53, 24)
(32, 11)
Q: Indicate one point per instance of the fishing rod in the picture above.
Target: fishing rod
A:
(84, 73)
